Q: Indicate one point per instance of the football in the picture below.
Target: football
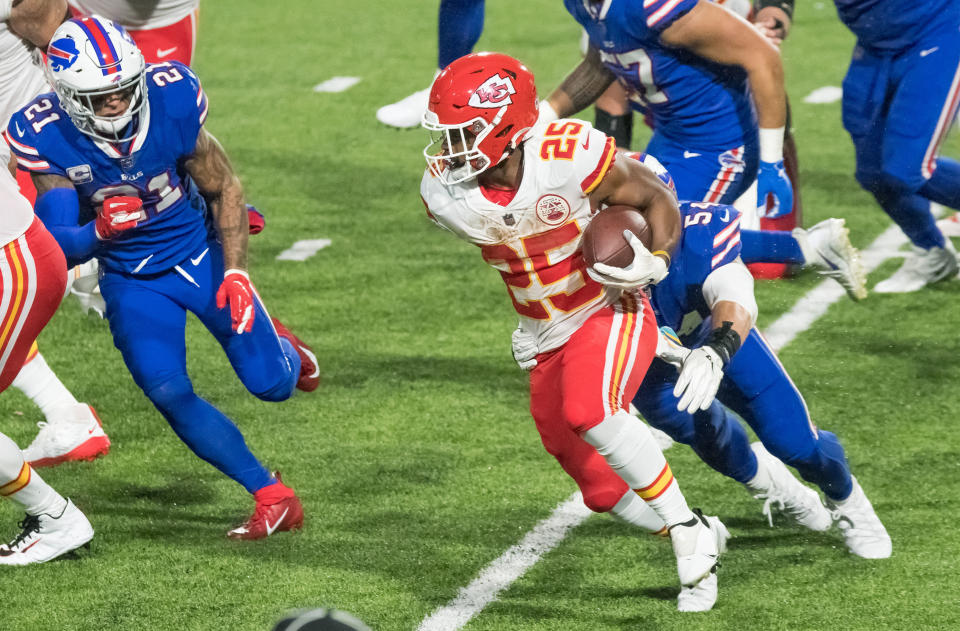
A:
(603, 240)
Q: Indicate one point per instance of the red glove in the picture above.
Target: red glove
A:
(117, 215)
(238, 292)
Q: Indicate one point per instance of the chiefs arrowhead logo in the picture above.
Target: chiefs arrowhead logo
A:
(494, 92)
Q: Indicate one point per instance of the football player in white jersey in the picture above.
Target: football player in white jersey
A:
(33, 275)
(72, 430)
(524, 193)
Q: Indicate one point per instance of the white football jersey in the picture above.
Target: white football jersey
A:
(21, 76)
(534, 240)
(16, 214)
(138, 14)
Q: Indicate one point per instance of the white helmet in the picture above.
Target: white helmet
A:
(88, 59)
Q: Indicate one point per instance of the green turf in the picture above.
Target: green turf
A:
(417, 461)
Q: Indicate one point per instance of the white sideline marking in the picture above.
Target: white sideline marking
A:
(826, 94)
(336, 84)
(546, 535)
(302, 250)
(511, 565)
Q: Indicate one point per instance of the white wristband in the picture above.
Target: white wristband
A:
(771, 144)
(236, 271)
(547, 113)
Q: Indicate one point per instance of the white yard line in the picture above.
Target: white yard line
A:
(547, 534)
(511, 565)
(302, 250)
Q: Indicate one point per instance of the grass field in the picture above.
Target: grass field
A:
(417, 460)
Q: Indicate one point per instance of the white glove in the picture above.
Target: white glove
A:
(699, 379)
(669, 348)
(524, 347)
(644, 269)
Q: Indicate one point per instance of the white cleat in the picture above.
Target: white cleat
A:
(45, 537)
(697, 547)
(405, 113)
(826, 246)
(790, 497)
(862, 530)
(921, 268)
(950, 227)
(78, 435)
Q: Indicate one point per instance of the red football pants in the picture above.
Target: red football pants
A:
(172, 42)
(594, 375)
(33, 277)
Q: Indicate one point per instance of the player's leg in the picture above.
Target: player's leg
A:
(892, 138)
(148, 328)
(72, 430)
(53, 525)
(758, 388)
(720, 441)
(595, 375)
(269, 359)
(459, 25)
(825, 247)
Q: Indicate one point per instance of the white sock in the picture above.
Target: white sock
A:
(39, 383)
(634, 511)
(20, 483)
(761, 481)
(627, 445)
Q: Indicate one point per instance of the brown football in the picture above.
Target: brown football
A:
(603, 240)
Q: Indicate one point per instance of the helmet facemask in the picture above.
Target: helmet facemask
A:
(454, 153)
(81, 106)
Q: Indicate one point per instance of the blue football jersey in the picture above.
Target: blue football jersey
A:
(710, 238)
(691, 100)
(896, 24)
(150, 167)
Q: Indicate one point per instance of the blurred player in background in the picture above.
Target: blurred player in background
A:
(125, 143)
(33, 275)
(164, 30)
(459, 25)
(708, 297)
(522, 194)
(697, 71)
(72, 430)
(900, 98)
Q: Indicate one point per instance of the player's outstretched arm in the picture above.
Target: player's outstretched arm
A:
(581, 88)
(211, 170)
(728, 290)
(36, 20)
(714, 33)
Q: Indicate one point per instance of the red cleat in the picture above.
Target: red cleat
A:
(278, 509)
(309, 367)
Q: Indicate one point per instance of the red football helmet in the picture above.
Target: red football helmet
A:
(480, 106)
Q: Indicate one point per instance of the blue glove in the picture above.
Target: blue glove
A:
(772, 179)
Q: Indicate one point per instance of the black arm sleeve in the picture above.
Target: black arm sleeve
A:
(785, 5)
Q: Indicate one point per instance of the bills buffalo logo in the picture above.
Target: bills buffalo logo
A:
(732, 160)
(553, 210)
(494, 92)
(62, 53)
